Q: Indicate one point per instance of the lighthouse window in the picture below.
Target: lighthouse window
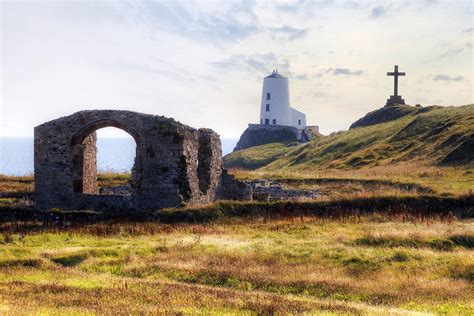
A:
(267, 121)
(267, 107)
(268, 95)
(299, 122)
(274, 121)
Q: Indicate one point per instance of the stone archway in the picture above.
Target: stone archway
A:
(84, 157)
(174, 163)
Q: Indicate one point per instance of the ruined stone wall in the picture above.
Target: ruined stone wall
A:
(210, 163)
(89, 169)
(174, 163)
(232, 189)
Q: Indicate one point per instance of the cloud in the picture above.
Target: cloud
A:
(302, 7)
(321, 95)
(377, 12)
(311, 7)
(336, 72)
(468, 30)
(156, 67)
(287, 33)
(220, 23)
(233, 22)
(255, 63)
(346, 72)
(429, 3)
(442, 77)
(302, 77)
(451, 52)
(455, 51)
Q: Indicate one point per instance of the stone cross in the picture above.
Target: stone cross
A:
(395, 98)
(395, 74)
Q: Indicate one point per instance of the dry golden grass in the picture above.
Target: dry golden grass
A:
(109, 180)
(25, 184)
(16, 185)
(372, 265)
(442, 180)
(379, 264)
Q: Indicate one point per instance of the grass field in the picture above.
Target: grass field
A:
(370, 265)
(400, 255)
(396, 179)
(385, 240)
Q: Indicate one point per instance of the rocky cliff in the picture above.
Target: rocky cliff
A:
(255, 135)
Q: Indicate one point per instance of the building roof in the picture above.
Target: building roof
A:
(276, 75)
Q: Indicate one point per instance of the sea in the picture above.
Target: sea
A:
(113, 154)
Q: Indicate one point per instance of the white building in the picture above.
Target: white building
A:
(275, 105)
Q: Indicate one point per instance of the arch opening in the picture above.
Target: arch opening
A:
(105, 160)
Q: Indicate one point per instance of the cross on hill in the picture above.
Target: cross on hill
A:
(395, 98)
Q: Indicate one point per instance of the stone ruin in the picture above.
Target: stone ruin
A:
(174, 163)
(271, 190)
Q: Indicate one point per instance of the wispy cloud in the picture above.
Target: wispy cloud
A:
(320, 95)
(302, 77)
(302, 7)
(236, 21)
(255, 63)
(443, 77)
(377, 12)
(430, 2)
(311, 7)
(455, 51)
(346, 72)
(287, 33)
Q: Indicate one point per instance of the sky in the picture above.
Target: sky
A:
(203, 62)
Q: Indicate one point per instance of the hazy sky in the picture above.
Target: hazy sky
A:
(202, 62)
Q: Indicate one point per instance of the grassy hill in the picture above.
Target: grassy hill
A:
(430, 136)
(385, 114)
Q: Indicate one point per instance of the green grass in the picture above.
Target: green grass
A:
(438, 243)
(290, 265)
(256, 157)
(399, 207)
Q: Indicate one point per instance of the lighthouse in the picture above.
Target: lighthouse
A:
(279, 122)
(275, 106)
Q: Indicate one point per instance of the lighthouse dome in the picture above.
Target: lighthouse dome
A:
(275, 75)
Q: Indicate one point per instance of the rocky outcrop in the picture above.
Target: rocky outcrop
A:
(384, 114)
(256, 135)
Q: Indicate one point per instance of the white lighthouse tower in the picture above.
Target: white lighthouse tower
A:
(275, 104)
(279, 122)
